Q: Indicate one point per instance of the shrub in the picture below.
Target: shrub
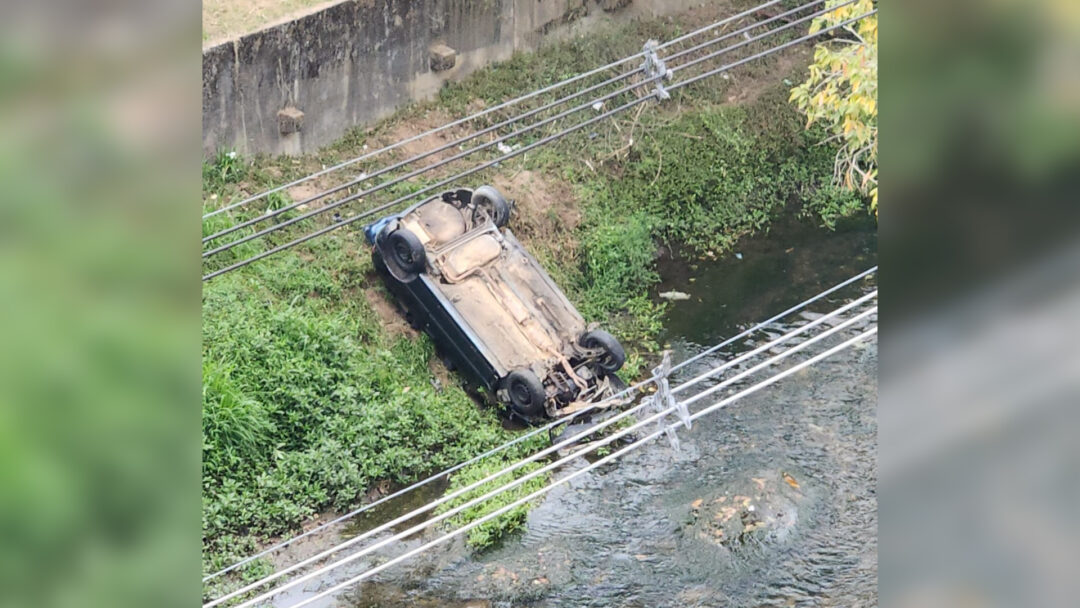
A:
(489, 533)
(307, 402)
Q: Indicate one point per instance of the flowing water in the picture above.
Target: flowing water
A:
(770, 501)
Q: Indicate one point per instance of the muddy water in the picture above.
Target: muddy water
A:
(768, 502)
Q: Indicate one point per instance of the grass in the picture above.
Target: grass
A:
(224, 19)
(309, 400)
(490, 533)
(728, 171)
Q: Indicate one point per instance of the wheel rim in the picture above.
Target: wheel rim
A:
(482, 210)
(401, 250)
(606, 359)
(520, 394)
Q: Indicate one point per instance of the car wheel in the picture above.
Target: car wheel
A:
(526, 393)
(613, 355)
(407, 251)
(491, 200)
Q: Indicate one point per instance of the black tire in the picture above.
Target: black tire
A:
(526, 393)
(490, 199)
(407, 251)
(614, 356)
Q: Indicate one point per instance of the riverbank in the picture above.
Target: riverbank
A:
(318, 397)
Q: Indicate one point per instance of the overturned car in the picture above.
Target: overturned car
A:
(493, 312)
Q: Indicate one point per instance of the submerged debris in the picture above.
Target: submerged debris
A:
(791, 481)
(766, 512)
(674, 295)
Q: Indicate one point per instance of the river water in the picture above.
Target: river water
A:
(770, 501)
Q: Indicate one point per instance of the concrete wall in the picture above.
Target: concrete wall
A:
(300, 85)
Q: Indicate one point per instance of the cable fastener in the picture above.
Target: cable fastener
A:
(663, 400)
(654, 68)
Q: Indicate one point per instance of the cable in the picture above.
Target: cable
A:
(548, 426)
(470, 151)
(630, 105)
(484, 146)
(703, 75)
(595, 465)
(513, 483)
(386, 206)
(554, 448)
(276, 212)
(485, 112)
(395, 202)
(410, 175)
(514, 153)
(588, 448)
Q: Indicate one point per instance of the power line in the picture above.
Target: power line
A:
(486, 111)
(469, 152)
(519, 151)
(453, 144)
(552, 449)
(704, 75)
(547, 427)
(599, 463)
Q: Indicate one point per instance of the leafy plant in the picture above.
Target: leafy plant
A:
(841, 93)
(227, 167)
(235, 427)
(309, 400)
(489, 533)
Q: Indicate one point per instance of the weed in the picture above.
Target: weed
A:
(227, 167)
(489, 533)
(831, 203)
(308, 401)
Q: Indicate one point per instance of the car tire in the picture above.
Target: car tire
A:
(614, 356)
(494, 202)
(526, 393)
(407, 251)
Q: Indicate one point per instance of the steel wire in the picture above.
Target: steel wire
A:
(486, 111)
(465, 153)
(547, 427)
(367, 177)
(549, 467)
(595, 465)
(519, 151)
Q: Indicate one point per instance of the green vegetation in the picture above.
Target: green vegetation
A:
(728, 171)
(491, 532)
(310, 400)
(552, 63)
(841, 93)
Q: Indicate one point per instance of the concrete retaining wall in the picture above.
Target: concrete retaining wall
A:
(300, 85)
